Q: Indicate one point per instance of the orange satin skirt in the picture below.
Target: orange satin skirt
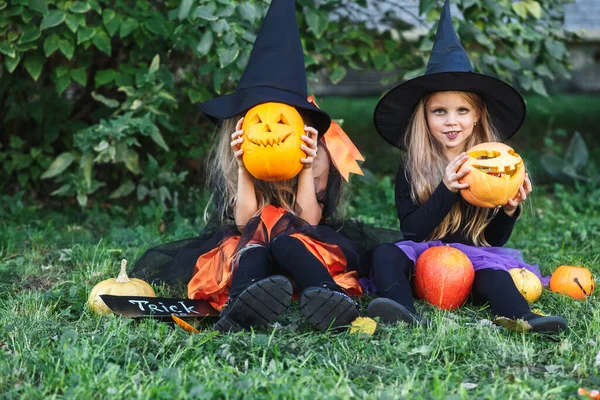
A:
(214, 270)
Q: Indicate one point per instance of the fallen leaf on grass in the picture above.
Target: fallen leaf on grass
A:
(184, 325)
(363, 325)
(598, 359)
(423, 350)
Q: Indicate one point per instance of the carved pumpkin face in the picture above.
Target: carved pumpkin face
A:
(497, 173)
(272, 141)
(577, 282)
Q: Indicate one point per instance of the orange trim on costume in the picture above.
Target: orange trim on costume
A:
(212, 274)
(342, 150)
(214, 269)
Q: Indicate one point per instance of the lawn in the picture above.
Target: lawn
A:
(52, 347)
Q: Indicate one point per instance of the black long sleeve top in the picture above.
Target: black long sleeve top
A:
(418, 221)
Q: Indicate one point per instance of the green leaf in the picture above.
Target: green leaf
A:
(520, 8)
(555, 48)
(206, 12)
(102, 41)
(52, 19)
(534, 8)
(66, 47)
(123, 190)
(158, 139)
(61, 163)
(11, 63)
(110, 103)
(543, 70)
(248, 12)
(539, 87)
(82, 200)
(155, 65)
(51, 44)
(317, 21)
(7, 49)
(337, 75)
(30, 34)
(62, 83)
(218, 77)
(33, 64)
(39, 6)
(184, 9)
(205, 43)
(577, 154)
(426, 5)
(72, 22)
(79, 7)
(85, 34)
(127, 26)
(132, 161)
(228, 55)
(111, 21)
(104, 76)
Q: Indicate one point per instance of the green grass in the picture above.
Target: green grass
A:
(52, 347)
(544, 115)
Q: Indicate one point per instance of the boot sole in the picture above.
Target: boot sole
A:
(324, 308)
(390, 311)
(258, 305)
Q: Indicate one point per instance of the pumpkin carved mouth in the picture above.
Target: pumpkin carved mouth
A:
(273, 130)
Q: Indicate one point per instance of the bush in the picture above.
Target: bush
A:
(100, 97)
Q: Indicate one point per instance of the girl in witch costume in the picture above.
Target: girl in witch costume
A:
(435, 118)
(263, 233)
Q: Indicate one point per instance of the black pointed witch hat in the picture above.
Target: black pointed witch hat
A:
(275, 71)
(448, 69)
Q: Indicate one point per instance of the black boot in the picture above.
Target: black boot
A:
(325, 308)
(534, 323)
(259, 304)
(390, 311)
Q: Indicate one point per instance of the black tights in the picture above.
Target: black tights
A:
(286, 256)
(392, 269)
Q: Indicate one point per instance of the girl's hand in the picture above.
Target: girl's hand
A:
(451, 176)
(309, 146)
(524, 190)
(236, 141)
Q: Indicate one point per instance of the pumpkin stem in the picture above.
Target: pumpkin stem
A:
(123, 278)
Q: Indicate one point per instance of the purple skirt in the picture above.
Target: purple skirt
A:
(481, 257)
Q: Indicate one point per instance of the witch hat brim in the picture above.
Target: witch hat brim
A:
(243, 99)
(448, 69)
(275, 71)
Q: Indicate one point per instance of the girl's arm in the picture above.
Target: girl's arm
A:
(246, 205)
(417, 222)
(306, 197)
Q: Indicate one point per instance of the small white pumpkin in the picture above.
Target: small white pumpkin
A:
(120, 286)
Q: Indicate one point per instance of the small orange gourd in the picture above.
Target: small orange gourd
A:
(120, 286)
(272, 141)
(497, 173)
(574, 281)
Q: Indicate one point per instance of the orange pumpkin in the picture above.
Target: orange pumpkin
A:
(527, 283)
(272, 141)
(497, 173)
(577, 282)
(444, 277)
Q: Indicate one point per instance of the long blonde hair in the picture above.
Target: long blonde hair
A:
(222, 176)
(426, 161)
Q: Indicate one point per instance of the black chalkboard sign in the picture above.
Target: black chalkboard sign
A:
(158, 307)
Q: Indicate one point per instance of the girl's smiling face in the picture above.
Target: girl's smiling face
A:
(450, 119)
